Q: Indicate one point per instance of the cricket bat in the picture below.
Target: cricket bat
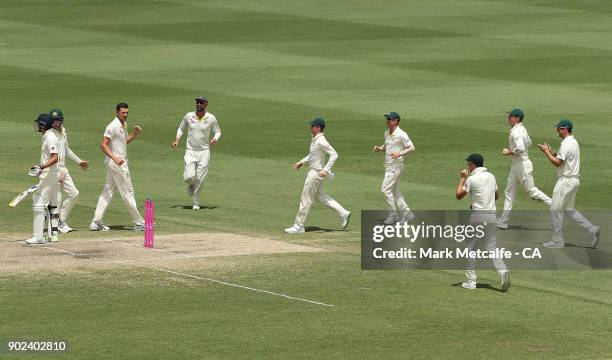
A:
(23, 195)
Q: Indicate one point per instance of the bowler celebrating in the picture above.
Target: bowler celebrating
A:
(114, 145)
(567, 161)
(318, 171)
(397, 145)
(66, 184)
(521, 171)
(482, 188)
(198, 125)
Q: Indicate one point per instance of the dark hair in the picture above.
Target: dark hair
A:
(122, 105)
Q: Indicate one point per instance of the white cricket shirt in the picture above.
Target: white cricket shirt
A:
(49, 146)
(569, 152)
(64, 149)
(198, 130)
(319, 147)
(396, 142)
(481, 186)
(118, 135)
(519, 142)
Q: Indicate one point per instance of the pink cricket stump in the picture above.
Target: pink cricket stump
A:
(149, 240)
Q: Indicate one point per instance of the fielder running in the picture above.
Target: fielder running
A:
(46, 196)
(198, 125)
(567, 161)
(482, 188)
(521, 171)
(114, 145)
(66, 184)
(397, 145)
(318, 171)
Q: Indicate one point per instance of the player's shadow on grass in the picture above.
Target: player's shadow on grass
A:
(121, 227)
(481, 286)
(318, 229)
(188, 207)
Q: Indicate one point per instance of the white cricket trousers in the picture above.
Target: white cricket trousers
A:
(487, 220)
(117, 178)
(313, 190)
(391, 188)
(564, 197)
(521, 174)
(72, 193)
(196, 170)
(46, 195)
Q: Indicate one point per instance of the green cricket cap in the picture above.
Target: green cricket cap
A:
(392, 115)
(476, 159)
(565, 123)
(56, 114)
(320, 122)
(201, 98)
(517, 112)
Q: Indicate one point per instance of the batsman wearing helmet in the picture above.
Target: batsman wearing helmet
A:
(47, 172)
(66, 184)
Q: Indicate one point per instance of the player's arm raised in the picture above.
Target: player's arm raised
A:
(104, 145)
(461, 188)
(135, 133)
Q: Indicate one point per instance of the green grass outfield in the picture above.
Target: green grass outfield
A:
(451, 68)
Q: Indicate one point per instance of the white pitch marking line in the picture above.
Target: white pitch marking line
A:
(198, 278)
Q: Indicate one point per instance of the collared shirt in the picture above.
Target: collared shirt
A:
(118, 135)
(49, 146)
(519, 142)
(64, 149)
(319, 147)
(396, 142)
(569, 152)
(481, 186)
(198, 136)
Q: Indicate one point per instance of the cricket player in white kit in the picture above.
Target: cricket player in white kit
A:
(66, 184)
(47, 171)
(521, 171)
(397, 145)
(318, 171)
(198, 124)
(482, 188)
(567, 161)
(114, 145)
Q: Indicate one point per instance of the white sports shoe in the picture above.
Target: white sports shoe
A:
(595, 236)
(98, 226)
(35, 240)
(502, 225)
(196, 207)
(139, 227)
(190, 190)
(295, 230)
(408, 217)
(346, 218)
(64, 228)
(392, 218)
(554, 245)
(505, 280)
(470, 284)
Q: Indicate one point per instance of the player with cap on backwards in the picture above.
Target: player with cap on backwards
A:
(567, 161)
(47, 173)
(480, 184)
(317, 173)
(114, 145)
(198, 125)
(521, 171)
(397, 145)
(66, 184)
